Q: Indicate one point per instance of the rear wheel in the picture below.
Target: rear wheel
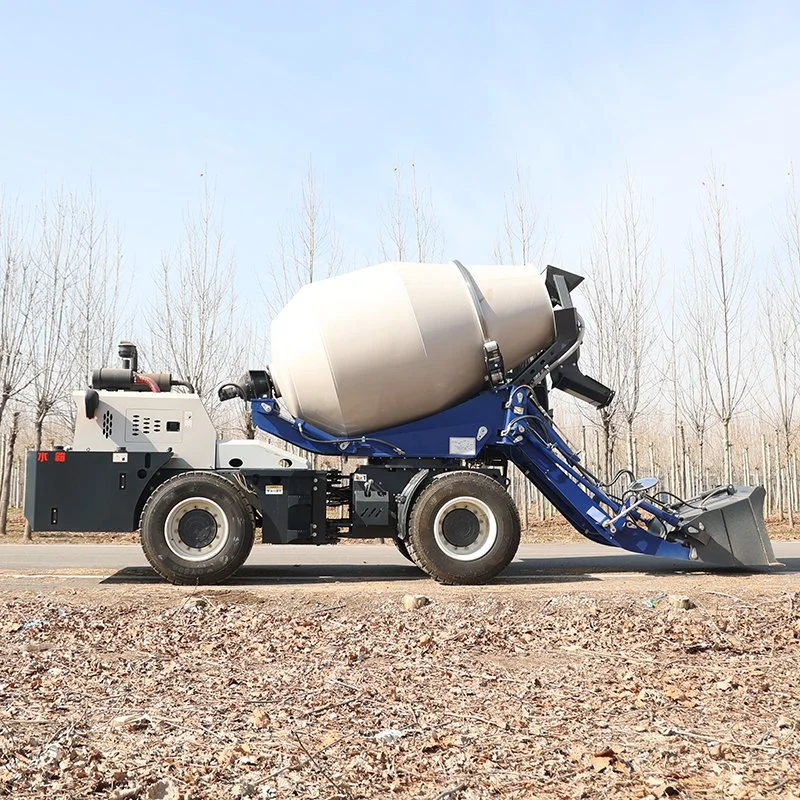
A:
(197, 528)
(464, 528)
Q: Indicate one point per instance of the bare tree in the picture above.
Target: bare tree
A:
(782, 330)
(190, 322)
(16, 308)
(17, 283)
(606, 313)
(639, 281)
(97, 292)
(49, 334)
(427, 232)
(720, 278)
(308, 247)
(692, 391)
(251, 347)
(5, 487)
(308, 250)
(781, 309)
(525, 235)
(393, 237)
(410, 228)
(522, 241)
(789, 232)
(621, 295)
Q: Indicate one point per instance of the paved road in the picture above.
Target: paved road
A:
(304, 563)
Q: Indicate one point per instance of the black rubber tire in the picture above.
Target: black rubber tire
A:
(238, 513)
(402, 548)
(421, 542)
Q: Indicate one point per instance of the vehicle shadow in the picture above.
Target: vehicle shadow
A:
(298, 573)
(343, 573)
(570, 569)
(631, 563)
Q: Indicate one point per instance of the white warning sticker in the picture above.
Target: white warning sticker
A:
(596, 514)
(273, 489)
(462, 445)
(119, 458)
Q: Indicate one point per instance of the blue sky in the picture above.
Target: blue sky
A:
(144, 97)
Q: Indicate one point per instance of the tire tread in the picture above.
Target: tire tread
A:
(436, 571)
(226, 483)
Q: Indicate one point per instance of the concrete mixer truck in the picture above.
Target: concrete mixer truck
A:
(428, 380)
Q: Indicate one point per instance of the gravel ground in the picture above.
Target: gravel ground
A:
(339, 691)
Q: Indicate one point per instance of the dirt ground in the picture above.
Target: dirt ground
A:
(605, 689)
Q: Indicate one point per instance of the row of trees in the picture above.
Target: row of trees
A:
(710, 380)
(704, 358)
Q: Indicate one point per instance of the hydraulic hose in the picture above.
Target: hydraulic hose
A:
(144, 380)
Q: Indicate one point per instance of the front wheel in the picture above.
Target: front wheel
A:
(402, 548)
(464, 528)
(197, 528)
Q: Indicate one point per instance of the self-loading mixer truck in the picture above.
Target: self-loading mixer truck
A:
(429, 378)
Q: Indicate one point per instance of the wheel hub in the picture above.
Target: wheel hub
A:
(461, 527)
(197, 528)
(465, 528)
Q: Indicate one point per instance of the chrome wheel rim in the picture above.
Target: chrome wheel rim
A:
(196, 529)
(465, 528)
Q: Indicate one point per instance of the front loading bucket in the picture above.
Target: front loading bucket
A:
(726, 528)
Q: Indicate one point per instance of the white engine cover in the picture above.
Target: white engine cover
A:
(146, 422)
(159, 421)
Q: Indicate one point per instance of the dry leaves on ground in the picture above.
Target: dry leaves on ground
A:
(166, 696)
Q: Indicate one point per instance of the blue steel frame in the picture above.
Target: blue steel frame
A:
(508, 420)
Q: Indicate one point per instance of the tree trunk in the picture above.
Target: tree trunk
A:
(5, 492)
(765, 472)
(249, 425)
(607, 454)
(701, 445)
(682, 461)
(788, 486)
(584, 449)
(746, 466)
(28, 534)
(597, 461)
(631, 450)
(778, 476)
(673, 467)
(608, 445)
(4, 397)
(726, 436)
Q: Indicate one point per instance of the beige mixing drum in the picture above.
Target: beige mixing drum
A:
(398, 341)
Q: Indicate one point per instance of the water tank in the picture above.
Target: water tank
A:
(398, 341)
